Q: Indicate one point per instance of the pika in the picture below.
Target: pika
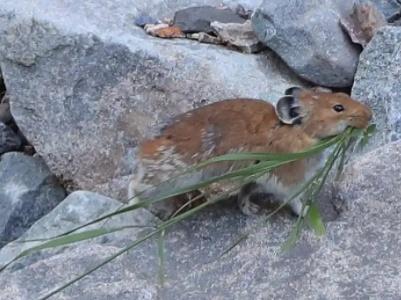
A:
(300, 119)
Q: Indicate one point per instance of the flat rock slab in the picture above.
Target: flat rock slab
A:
(378, 82)
(359, 257)
(85, 88)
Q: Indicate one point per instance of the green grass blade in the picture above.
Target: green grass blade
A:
(235, 244)
(161, 252)
(243, 172)
(294, 235)
(67, 240)
(315, 220)
(271, 156)
(247, 171)
(161, 227)
(268, 163)
(104, 262)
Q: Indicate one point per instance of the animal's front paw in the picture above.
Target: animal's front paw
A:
(250, 208)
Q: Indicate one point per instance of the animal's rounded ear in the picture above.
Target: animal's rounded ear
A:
(289, 110)
(293, 91)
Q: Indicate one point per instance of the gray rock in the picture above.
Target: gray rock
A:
(133, 276)
(388, 7)
(5, 114)
(143, 20)
(27, 192)
(60, 264)
(203, 37)
(378, 81)
(85, 89)
(358, 257)
(238, 35)
(198, 19)
(167, 8)
(363, 23)
(9, 140)
(242, 12)
(308, 37)
(78, 208)
(2, 87)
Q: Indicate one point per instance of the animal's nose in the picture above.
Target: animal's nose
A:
(367, 113)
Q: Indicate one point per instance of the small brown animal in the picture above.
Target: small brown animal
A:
(300, 120)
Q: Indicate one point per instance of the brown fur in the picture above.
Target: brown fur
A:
(250, 125)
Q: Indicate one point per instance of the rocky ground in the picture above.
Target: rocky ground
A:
(82, 82)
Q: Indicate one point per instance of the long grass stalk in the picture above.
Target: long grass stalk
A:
(267, 163)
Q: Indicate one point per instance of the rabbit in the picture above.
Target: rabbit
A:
(299, 120)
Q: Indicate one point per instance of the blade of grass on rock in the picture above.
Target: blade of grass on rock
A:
(162, 227)
(315, 220)
(67, 240)
(247, 171)
(244, 172)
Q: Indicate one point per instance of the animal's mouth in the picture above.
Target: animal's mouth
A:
(360, 122)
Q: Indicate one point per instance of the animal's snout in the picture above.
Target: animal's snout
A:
(361, 117)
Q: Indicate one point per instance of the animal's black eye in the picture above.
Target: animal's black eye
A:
(338, 107)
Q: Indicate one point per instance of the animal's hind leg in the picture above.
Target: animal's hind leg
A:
(245, 204)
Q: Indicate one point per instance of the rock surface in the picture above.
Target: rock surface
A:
(198, 19)
(5, 114)
(378, 81)
(27, 192)
(308, 37)
(9, 140)
(85, 89)
(358, 257)
(241, 36)
(203, 37)
(77, 209)
(388, 7)
(143, 20)
(167, 8)
(362, 24)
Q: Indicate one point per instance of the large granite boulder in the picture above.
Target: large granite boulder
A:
(28, 191)
(307, 35)
(358, 257)
(378, 81)
(86, 84)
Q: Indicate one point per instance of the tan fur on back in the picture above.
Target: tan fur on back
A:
(246, 125)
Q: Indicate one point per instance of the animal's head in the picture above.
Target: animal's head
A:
(320, 112)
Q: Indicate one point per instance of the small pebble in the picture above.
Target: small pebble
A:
(141, 21)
